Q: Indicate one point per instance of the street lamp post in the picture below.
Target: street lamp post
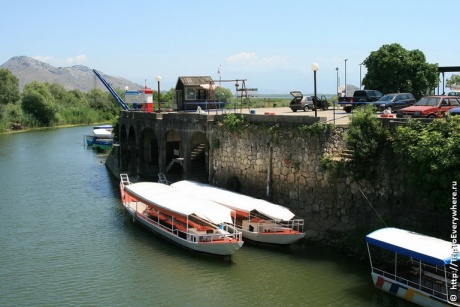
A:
(346, 94)
(159, 100)
(360, 80)
(337, 69)
(314, 67)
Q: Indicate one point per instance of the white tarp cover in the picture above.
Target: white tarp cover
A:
(235, 200)
(169, 198)
(428, 249)
(102, 133)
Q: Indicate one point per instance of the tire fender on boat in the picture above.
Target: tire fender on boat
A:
(233, 184)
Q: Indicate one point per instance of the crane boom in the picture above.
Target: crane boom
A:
(112, 91)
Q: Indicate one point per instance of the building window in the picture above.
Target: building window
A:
(201, 94)
(190, 94)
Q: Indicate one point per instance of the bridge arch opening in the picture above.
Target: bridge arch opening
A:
(148, 154)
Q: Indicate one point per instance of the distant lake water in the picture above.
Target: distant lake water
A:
(67, 241)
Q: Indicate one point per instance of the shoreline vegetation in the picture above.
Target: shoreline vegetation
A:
(50, 105)
(45, 105)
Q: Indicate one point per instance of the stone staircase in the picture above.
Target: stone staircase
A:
(345, 155)
(197, 151)
(198, 171)
(196, 157)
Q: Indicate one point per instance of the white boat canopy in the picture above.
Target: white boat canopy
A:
(171, 199)
(102, 133)
(234, 200)
(428, 249)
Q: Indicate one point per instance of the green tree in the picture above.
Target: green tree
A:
(9, 87)
(366, 138)
(454, 80)
(38, 101)
(223, 94)
(430, 152)
(393, 69)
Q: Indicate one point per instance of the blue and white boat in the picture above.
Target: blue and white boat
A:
(101, 138)
(414, 267)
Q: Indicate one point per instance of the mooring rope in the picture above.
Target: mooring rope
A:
(370, 204)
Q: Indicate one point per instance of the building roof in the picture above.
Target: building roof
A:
(194, 80)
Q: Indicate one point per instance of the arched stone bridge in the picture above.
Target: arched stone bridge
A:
(176, 144)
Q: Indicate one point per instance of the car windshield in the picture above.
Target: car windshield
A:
(387, 98)
(428, 101)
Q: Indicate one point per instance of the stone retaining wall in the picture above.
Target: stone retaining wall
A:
(286, 169)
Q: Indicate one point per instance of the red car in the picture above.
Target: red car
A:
(430, 107)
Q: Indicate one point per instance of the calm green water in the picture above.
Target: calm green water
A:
(65, 240)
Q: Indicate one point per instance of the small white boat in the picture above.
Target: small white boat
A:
(101, 137)
(258, 220)
(190, 222)
(423, 269)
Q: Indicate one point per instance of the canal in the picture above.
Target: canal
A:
(66, 241)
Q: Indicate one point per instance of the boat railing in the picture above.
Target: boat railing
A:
(189, 234)
(269, 225)
(124, 179)
(423, 284)
(211, 237)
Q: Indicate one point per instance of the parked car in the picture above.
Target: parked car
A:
(454, 94)
(454, 111)
(394, 101)
(360, 99)
(430, 107)
(301, 102)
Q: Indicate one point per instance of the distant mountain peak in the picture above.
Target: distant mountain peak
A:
(80, 77)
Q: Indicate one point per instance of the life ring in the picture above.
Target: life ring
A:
(233, 184)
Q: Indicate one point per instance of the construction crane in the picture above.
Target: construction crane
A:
(112, 91)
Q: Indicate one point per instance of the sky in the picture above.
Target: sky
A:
(270, 44)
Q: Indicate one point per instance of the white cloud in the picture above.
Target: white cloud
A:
(44, 58)
(251, 58)
(58, 62)
(78, 59)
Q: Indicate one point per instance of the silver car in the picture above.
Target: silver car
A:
(301, 102)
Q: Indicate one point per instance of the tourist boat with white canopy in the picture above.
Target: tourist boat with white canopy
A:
(258, 220)
(422, 269)
(101, 137)
(193, 223)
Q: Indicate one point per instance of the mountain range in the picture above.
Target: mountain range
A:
(77, 77)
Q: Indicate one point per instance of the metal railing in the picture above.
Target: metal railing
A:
(422, 285)
(195, 237)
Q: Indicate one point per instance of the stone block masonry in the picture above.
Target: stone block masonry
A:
(277, 158)
(285, 168)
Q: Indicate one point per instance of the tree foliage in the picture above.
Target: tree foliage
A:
(393, 69)
(45, 104)
(431, 154)
(38, 101)
(366, 138)
(222, 94)
(454, 80)
(9, 87)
